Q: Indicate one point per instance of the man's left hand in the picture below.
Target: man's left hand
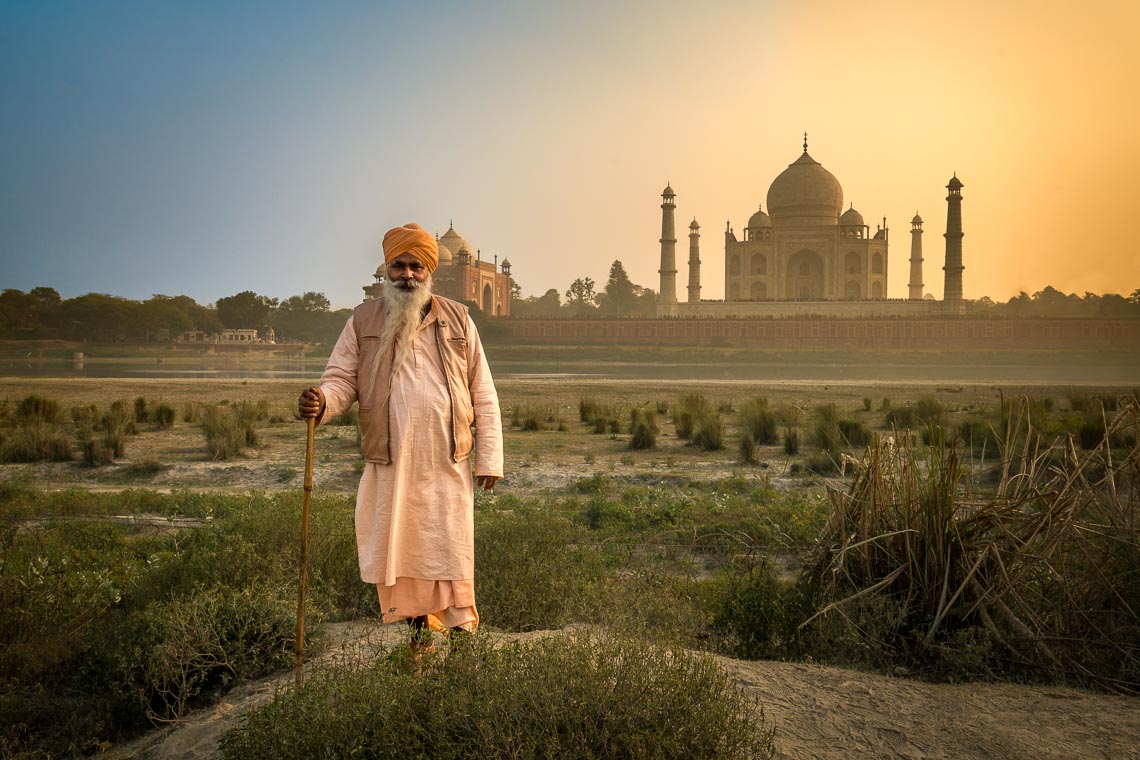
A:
(486, 482)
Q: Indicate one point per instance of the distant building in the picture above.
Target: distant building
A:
(806, 256)
(238, 336)
(462, 277)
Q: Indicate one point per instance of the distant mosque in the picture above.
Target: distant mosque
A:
(806, 256)
(462, 277)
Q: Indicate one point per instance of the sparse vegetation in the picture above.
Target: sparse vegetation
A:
(559, 697)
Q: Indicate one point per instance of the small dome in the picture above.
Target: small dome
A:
(851, 218)
(917, 219)
(806, 193)
(668, 192)
(506, 263)
(759, 219)
(693, 225)
(445, 254)
(955, 183)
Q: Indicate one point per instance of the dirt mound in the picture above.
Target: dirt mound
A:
(819, 712)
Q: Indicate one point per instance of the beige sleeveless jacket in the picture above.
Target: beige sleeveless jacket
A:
(374, 376)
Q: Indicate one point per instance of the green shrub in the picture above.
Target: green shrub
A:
(164, 416)
(174, 656)
(688, 411)
(885, 405)
(225, 436)
(86, 416)
(96, 452)
(789, 415)
(523, 558)
(759, 421)
(902, 418)
(144, 468)
(748, 449)
(583, 697)
(229, 430)
(854, 433)
(39, 409)
(822, 464)
(978, 437)
(35, 441)
(791, 441)
(756, 615)
(867, 402)
(930, 411)
(708, 432)
(142, 413)
(642, 428)
(191, 412)
(825, 430)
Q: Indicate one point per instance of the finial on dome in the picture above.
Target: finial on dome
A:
(450, 224)
(805, 142)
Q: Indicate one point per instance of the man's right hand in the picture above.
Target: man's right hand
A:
(311, 403)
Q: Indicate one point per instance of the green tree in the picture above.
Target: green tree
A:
(245, 310)
(302, 318)
(580, 297)
(619, 299)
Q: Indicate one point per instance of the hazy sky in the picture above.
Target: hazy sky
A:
(208, 147)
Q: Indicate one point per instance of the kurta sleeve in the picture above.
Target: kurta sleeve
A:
(485, 399)
(338, 381)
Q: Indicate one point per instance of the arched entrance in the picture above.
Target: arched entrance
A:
(804, 278)
(488, 302)
(852, 291)
(759, 291)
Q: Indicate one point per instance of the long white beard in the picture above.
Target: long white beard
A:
(403, 314)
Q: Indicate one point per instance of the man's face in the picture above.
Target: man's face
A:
(406, 272)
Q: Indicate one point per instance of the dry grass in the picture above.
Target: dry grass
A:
(1045, 563)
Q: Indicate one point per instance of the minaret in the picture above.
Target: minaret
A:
(668, 270)
(916, 258)
(953, 290)
(694, 262)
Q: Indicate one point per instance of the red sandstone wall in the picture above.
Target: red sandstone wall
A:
(838, 333)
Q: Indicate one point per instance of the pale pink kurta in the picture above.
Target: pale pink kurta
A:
(415, 516)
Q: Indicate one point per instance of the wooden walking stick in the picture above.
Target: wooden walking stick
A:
(311, 424)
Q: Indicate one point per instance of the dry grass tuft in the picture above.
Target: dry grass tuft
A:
(1045, 566)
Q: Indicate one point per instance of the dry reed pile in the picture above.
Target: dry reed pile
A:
(1042, 565)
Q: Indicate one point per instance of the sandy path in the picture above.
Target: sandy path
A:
(818, 712)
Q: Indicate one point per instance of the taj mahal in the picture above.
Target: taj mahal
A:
(807, 256)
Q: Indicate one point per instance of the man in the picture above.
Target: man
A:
(415, 363)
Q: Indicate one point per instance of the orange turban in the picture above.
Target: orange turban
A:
(411, 238)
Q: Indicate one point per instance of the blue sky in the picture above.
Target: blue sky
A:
(204, 148)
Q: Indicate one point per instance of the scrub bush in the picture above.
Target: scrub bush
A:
(524, 559)
(825, 430)
(37, 408)
(642, 428)
(35, 441)
(791, 441)
(854, 433)
(581, 696)
(708, 431)
(164, 416)
(759, 422)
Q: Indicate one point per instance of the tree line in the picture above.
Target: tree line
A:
(42, 313)
(619, 298)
